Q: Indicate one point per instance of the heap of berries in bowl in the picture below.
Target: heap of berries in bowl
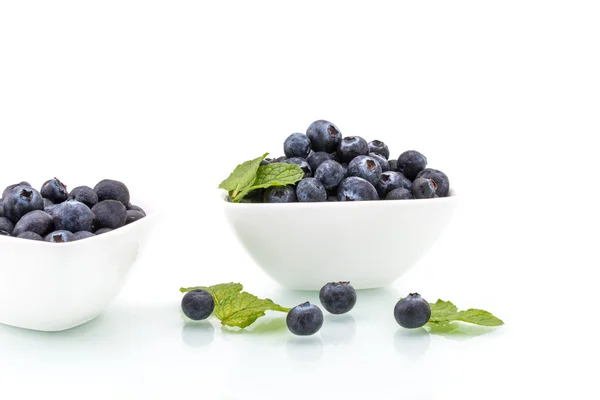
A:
(58, 215)
(336, 168)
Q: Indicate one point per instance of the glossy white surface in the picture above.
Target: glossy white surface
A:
(53, 287)
(369, 243)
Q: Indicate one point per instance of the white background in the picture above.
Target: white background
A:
(169, 96)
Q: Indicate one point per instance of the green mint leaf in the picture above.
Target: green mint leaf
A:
(243, 309)
(274, 174)
(242, 177)
(219, 292)
(444, 313)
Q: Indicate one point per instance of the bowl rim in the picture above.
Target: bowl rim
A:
(452, 197)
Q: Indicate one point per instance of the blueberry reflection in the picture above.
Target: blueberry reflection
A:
(305, 348)
(338, 329)
(199, 334)
(412, 343)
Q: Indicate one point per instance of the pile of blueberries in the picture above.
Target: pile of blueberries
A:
(307, 319)
(56, 215)
(350, 169)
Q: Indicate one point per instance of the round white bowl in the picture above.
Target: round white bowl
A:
(302, 246)
(56, 286)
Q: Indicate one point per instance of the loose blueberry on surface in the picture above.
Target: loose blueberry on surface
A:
(197, 304)
(36, 221)
(73, 216)
(30, 236)
(109, 214)
(317, 158)
(377, 146)
(133, 216)
(330, 173)
(302, 163)
(365, 167)
(399, 194)
(85, 195)
(352, 146)
(410, 163)
(391, 180)
(54, 190)
(310, 190)
(280, 194)
(423, 188)
(324, 136)
(354, 188)
(6, 225)
(20, 201)
(109, 189)
(103, 230)
(305, 319)
(60, 237)
(393, 165)
(82, 235)
(338, 297)
(383, 162)
(297, 145)
(9, 188)
(254, 196)
(412, 311)
(440, 179)
(132, 207)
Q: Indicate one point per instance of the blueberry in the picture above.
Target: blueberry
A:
(412, 311)
(109, 214)
(36, 221)
(4, 233)
(393, 165)
(54, 190)
(310, 190)
(197, 304)
(254, 196)
(305, 319)
(297, 145)
(133, 216)
(1, 208)
(330, 173)
(73, 216)
(352, 146)
(132, 207)
(85, 195)
(399, 194)
(365, 167)
(383, 162)
(354, 188)
(266, 161)
(9, 188)
(20, 201)
(391, 180)
(50, 209)
(6, 225)
(103, 230)
(109, 189)
(338, 297)
(317, 158)
(423, 188)
(440, 179)
(82, 235)
(30, 236)
(332, 198)
(324, 136)
(280, 159)
(60, 237)
(280, 194)
(301, 162)
(410, 163)
(377, 146)
(48, 203)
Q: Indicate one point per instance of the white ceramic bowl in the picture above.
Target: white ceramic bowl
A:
(56, 286)
(370, 243)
